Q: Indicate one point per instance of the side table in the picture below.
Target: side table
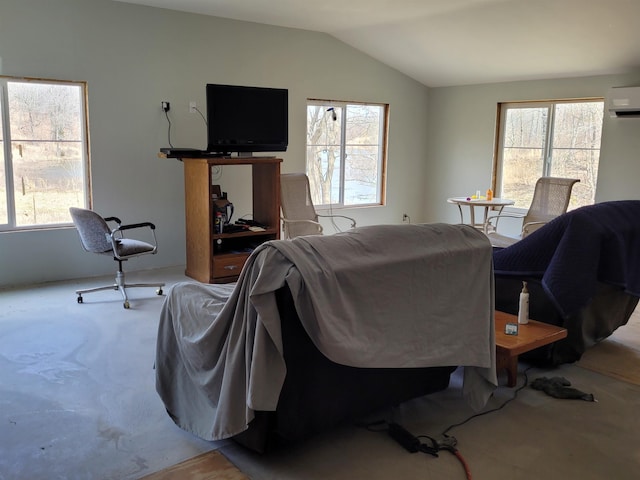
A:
(530, 336)
(496, 203)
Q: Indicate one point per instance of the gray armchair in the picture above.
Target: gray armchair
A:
(299, 216)
(97, 237)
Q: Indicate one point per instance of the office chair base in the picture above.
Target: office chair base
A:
(122, 286)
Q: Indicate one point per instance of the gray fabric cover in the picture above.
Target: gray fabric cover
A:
(94, 231)
(125, 247)
(382, 296)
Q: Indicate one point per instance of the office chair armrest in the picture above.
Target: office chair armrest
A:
(117, 233)
(122, 228)
(113, 219)
(353, 222)
(137, 225)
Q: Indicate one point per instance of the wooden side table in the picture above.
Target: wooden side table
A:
(530, 336)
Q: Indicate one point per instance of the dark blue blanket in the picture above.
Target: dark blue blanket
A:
(571, 254)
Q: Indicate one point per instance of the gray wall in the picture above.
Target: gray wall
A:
(133, 58)
(461, 138)
(441, 140)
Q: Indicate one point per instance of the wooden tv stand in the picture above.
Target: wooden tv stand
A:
(219, 257)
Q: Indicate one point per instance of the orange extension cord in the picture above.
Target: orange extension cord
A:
(459, 456)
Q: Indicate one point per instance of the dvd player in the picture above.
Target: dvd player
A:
(183, 152)
(190, 153)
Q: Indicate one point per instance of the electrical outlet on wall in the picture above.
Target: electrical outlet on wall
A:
(406, 218)
(165, 106)
(192, 107)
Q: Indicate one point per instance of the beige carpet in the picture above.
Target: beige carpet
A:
(618, 356)
(208, 466)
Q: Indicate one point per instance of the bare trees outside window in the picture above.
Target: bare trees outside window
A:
(346, 152)
(558, 139)
(44, 164)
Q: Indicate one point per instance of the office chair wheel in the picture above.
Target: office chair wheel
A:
(79, 298)
(159, 291)
(126, 304)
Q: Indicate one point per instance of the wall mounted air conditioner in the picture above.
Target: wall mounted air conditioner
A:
(624, 102)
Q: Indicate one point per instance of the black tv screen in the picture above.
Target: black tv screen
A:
(247, 119)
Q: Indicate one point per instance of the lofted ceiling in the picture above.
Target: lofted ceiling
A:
(459, 42)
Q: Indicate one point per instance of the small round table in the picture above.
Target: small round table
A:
(496, 203)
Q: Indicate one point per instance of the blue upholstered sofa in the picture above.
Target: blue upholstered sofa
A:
(583, 273)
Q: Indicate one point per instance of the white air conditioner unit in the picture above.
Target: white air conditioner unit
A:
(624, 102)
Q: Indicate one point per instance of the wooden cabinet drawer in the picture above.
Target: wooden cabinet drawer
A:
(228, 265)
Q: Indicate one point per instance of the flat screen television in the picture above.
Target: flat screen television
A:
(247, 119)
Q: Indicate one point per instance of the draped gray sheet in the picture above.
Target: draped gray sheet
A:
(381, 296)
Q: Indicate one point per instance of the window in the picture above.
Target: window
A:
(559, 139)
(44, 159)
(346, 152)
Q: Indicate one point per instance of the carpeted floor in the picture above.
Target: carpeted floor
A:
(617, 356)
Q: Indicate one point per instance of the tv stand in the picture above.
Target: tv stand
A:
(219, 257)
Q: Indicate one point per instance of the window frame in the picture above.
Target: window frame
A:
(498, 160)
(382, 148)
(7, 160)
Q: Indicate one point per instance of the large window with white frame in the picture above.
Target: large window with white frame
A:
(346, 152)
(44, 152)
(551, 138)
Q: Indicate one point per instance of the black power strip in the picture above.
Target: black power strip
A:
(404, 438)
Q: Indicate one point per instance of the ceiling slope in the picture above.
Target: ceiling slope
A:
(460, 42)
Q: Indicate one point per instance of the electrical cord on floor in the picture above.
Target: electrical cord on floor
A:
(515, 394)
(432, 446)
(459, 456)
(445, 435)
(448, 444)
(414, 444)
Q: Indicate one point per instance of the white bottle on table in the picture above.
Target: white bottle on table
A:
(523, 307)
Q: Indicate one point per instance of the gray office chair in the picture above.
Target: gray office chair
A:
(97, 237)
(299, 216)
(550, 200)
